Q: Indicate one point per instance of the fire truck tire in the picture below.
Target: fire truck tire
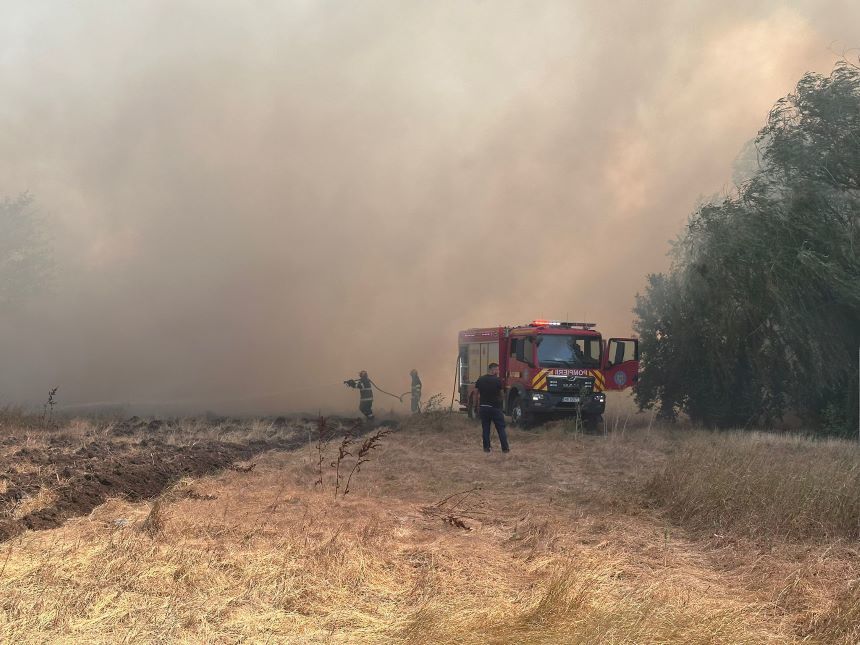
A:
(593, 423)
(519, 417)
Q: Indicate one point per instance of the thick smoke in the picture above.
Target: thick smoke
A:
(249, 202)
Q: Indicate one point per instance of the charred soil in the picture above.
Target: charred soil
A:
(49, 477)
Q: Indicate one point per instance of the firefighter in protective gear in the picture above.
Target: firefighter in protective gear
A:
(416, 391)
(365, 393)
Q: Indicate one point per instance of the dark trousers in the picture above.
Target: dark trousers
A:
(495, 416)
(366, 407)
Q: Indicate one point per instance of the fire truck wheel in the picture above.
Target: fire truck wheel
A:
(519, 416)
(593, 423)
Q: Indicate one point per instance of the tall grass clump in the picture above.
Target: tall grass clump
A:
(762, 485)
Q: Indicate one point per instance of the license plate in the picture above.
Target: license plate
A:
(570, 399)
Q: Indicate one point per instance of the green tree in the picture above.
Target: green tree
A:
(760, 311)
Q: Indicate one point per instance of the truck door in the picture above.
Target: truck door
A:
(621, 363)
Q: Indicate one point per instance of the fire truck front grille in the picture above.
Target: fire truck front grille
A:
(582, 385)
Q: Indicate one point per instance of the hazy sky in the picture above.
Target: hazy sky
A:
(251, 201)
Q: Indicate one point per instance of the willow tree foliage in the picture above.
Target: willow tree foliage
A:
(759, 314)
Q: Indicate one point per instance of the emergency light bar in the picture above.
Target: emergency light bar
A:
(558, 323)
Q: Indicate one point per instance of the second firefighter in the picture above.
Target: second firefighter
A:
(416, 391)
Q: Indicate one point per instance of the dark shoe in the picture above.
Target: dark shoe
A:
(508, 450)
(486, 450)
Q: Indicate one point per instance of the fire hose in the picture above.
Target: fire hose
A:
(399, 398)
(379, 389)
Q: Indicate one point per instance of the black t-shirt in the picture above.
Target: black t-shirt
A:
(490, 387)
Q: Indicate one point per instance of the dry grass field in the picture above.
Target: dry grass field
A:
(639, 535)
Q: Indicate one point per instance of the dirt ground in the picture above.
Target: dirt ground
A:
(49, 476)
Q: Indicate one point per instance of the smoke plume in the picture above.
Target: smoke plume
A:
(249, 202)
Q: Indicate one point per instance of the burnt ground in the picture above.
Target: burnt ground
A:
(135, 459)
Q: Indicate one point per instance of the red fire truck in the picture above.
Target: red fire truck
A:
(548, 368)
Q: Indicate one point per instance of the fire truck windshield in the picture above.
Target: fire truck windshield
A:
(563, 350)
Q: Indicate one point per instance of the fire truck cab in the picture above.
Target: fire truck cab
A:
(548, 368)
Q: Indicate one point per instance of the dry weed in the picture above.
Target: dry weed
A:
(463, 509)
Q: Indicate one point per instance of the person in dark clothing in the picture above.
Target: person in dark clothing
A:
(416, 391)
(365, 393)
(490, 388)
